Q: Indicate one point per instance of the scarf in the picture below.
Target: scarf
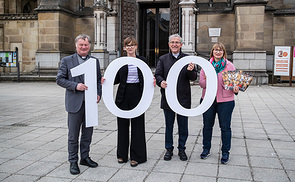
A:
(219, 66)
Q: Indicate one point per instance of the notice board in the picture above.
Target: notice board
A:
(282, 60)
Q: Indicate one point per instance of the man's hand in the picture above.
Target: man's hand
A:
(163, 84)
(190, 67)
(81, 87)
(98, 99)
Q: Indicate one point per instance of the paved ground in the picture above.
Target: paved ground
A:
(33, 139)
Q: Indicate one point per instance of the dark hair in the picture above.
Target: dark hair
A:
(129, 40)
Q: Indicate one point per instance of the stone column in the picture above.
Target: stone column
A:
(56, 33)
(1, 7)
(12, 6)
(111, 35)
(249, 54)
(188, 26)
(100, 33)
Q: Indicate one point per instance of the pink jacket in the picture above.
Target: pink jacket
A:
(222, 95)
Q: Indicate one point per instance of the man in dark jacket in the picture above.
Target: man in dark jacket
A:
(187, 73)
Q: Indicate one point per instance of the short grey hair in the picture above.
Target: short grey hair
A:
(83, 36)
(175, 35)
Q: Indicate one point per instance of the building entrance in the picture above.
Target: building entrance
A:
(153, 31)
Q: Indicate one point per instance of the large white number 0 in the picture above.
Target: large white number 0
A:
(108, 87)
(90, 80)
(211, 84)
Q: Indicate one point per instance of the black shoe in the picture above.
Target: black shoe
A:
(205, 154)
(121, 161)
(168, 155)
(88, 162)
(74, 168)
(225, 158)
(133, 163)
(182, 155)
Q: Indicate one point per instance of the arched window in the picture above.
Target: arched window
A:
(28, 6)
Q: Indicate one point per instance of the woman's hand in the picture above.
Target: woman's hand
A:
(154, 82)
(236, 89)
(102, 80)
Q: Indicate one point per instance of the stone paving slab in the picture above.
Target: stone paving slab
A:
(33, 139)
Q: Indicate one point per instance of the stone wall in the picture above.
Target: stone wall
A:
(85, 26)
(66, 34)
(249, 28)
(1, 6)
(268, 32)
(48, 31)
(25, 33)
(284, 31)
(1, 37)
(224, 21)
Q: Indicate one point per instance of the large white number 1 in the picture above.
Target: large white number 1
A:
(90, 80)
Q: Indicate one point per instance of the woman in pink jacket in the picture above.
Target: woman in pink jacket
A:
(223, 105)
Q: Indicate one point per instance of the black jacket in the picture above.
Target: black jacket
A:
(121, 79)
(183, 84)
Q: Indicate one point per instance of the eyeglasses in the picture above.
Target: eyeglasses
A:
(132, 45)
(218, 50)
(174, 42)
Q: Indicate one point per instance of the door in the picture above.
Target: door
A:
(154, 31)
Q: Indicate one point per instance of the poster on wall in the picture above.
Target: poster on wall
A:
(282, 60)
(8, 58)
(293, 61)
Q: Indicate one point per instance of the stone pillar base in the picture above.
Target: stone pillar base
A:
(189, 52)
(253, 62)
(112, 56)
(103, 56)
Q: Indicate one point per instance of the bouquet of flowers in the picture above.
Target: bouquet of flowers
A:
(236, 78)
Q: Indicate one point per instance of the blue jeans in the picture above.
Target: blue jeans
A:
(182, 122)
(224, 111)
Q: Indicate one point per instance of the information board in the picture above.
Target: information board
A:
(8, 59)
(293, 61)
(282, 60)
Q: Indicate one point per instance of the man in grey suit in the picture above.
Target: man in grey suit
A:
(75, 103)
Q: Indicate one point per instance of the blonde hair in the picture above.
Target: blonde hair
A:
(218, 45)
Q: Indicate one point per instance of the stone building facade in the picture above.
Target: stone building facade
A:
(44, 31)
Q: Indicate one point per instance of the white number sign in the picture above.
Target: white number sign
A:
(90, 79)
(90, 76)
(211, 86)
(108, 87)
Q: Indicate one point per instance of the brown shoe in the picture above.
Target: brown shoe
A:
(133, 163)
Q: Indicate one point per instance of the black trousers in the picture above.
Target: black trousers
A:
(76, 122)
(138, 151)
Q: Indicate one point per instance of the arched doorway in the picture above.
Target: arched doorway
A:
(153, 31)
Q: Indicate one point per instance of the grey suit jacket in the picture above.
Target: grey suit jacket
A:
(73, 97)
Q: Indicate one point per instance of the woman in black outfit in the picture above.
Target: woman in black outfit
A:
(129, 93)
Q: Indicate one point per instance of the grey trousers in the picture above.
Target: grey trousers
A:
(76, 122)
